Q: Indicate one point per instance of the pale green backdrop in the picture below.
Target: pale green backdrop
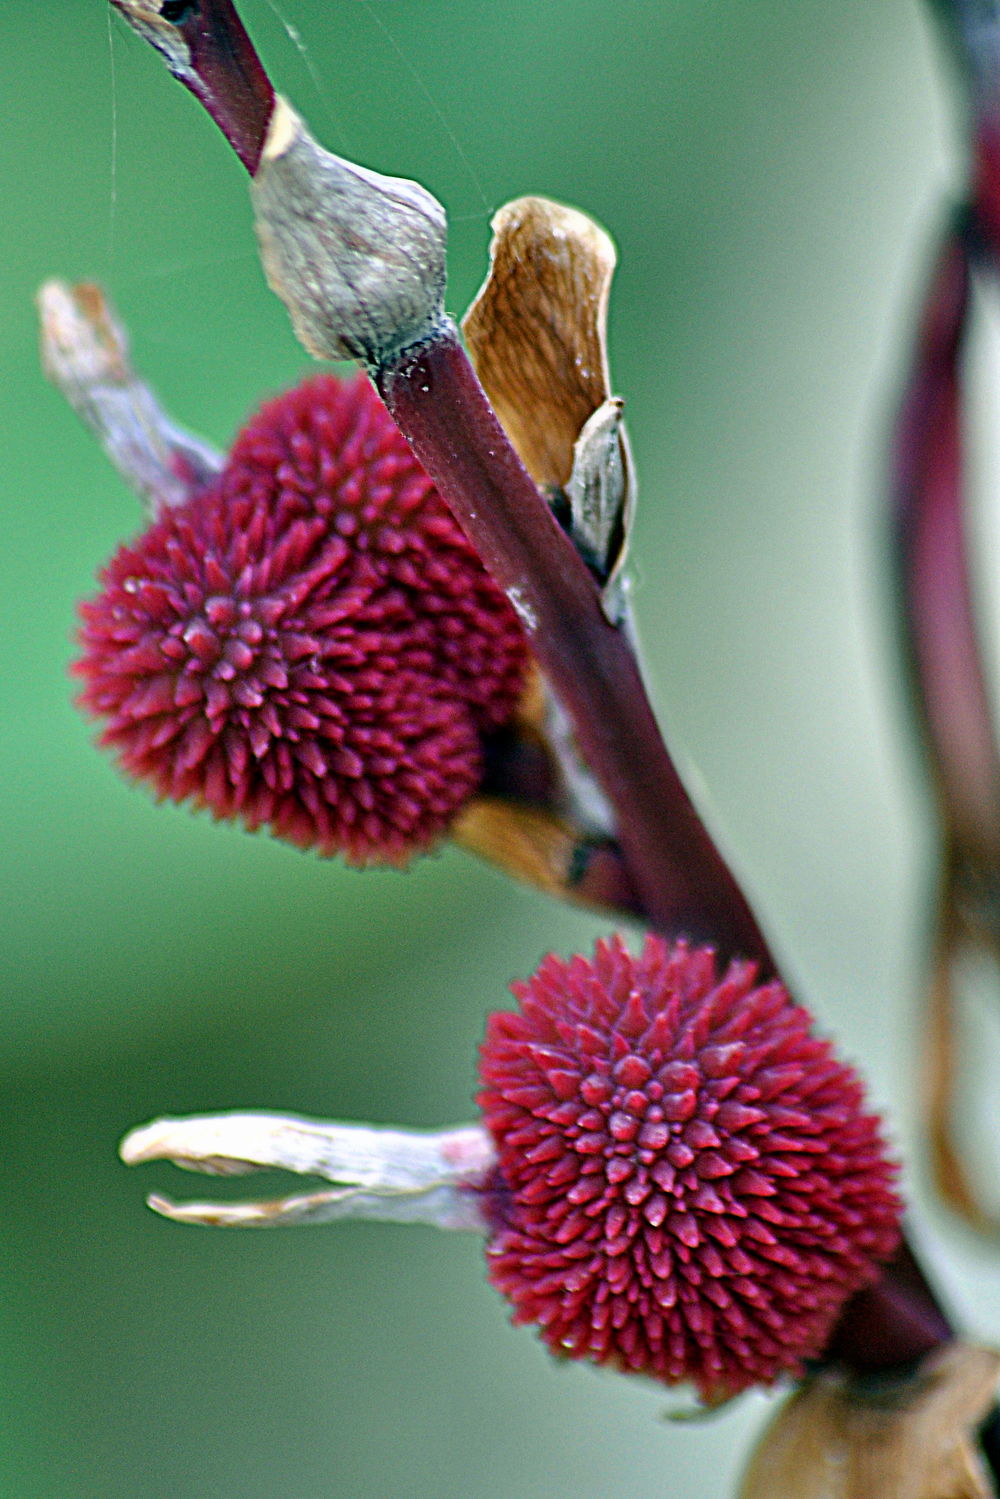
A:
(772, 173)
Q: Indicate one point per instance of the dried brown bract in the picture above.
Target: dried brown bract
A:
(913, 1438)
(536, 331)
(537, 334)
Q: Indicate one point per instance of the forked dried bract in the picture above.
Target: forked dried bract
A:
(911, 1438)
(390, 1175)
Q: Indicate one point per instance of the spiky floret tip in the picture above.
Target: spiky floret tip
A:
(309, 644)
(688, 1182)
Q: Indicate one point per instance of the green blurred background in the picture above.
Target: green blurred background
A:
(772, 173)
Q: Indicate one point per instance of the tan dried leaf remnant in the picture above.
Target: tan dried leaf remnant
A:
(912, 1439)
(530, 843)
(537, 330)
(537, 334)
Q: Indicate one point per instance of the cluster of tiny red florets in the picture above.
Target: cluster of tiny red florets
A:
(687, 1184)
(309, 644)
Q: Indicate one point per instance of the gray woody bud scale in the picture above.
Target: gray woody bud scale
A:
(357, 258)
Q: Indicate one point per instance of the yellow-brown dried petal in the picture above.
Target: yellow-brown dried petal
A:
(530, 843)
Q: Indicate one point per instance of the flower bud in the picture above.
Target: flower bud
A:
(309, 643)
(688, 1185)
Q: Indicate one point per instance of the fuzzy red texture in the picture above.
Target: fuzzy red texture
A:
(309, 644)
(688, 1185)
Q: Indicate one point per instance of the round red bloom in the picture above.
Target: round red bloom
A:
(310, 643)
(687, 1183)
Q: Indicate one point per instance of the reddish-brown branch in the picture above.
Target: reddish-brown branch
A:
(684, 884)
(206, 47)
(686, 887)
(986, 182)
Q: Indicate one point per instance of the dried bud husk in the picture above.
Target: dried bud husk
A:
(537, 334)
(908, 1438)
(537, 330)
(598, 487)
(357, 258)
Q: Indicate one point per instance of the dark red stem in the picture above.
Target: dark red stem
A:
(893, 1324)
(986, 182)
(686, 887)
(207, 48)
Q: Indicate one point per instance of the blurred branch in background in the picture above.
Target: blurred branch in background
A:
(943, 624)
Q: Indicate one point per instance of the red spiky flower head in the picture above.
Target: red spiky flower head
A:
(310, 643)
(688, 1185)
